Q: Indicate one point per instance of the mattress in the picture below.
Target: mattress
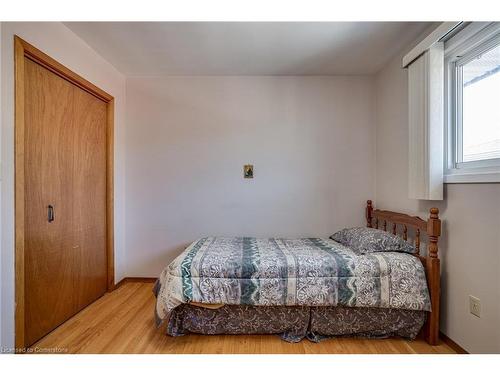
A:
(289, 272)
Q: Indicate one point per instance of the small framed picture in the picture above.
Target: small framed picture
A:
(248, 171)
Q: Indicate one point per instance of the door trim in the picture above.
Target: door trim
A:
(22, 50)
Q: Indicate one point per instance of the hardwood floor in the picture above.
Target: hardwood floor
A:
(122, 322)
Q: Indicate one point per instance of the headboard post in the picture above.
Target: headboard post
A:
(369, 210)
(433, 276)
(433, 231)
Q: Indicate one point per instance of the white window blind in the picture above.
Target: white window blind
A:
(426, 124)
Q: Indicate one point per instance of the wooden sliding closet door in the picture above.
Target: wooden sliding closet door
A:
(89, 196)
(65, 261)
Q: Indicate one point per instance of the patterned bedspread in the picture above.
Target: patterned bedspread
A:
(291, 272)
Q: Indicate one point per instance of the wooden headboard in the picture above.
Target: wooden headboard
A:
(399, 223)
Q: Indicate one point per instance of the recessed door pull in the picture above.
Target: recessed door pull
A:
(50, 213)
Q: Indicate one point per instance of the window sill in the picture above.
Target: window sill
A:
(472, 177)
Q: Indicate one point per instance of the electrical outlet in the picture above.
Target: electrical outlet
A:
(475, 306)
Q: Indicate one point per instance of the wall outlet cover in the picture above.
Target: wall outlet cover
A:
(475, 306)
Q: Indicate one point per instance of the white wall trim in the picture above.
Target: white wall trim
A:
(467, 178)
(488, 174)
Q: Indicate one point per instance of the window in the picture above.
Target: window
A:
(473, 88)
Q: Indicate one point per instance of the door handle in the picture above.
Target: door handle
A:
(50, 213)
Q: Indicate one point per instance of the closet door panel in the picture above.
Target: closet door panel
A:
(49, 255)
(89, 203)
(65, 260)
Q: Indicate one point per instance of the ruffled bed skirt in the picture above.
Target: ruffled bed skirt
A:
(293, 323)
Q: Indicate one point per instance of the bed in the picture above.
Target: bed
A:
(311, 288)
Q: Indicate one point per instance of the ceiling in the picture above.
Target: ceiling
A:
(247, 48)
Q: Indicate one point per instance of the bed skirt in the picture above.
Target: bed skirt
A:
(293, 323)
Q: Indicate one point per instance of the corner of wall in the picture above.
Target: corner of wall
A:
(374, 140)
(461, 232)
(382, 79)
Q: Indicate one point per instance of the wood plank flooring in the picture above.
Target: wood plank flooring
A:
(122, 322)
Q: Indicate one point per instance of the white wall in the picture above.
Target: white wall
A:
(470, 245)
(310, 139)
(63, 45)
(1, 183)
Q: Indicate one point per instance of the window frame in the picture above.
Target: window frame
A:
(472, 41)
